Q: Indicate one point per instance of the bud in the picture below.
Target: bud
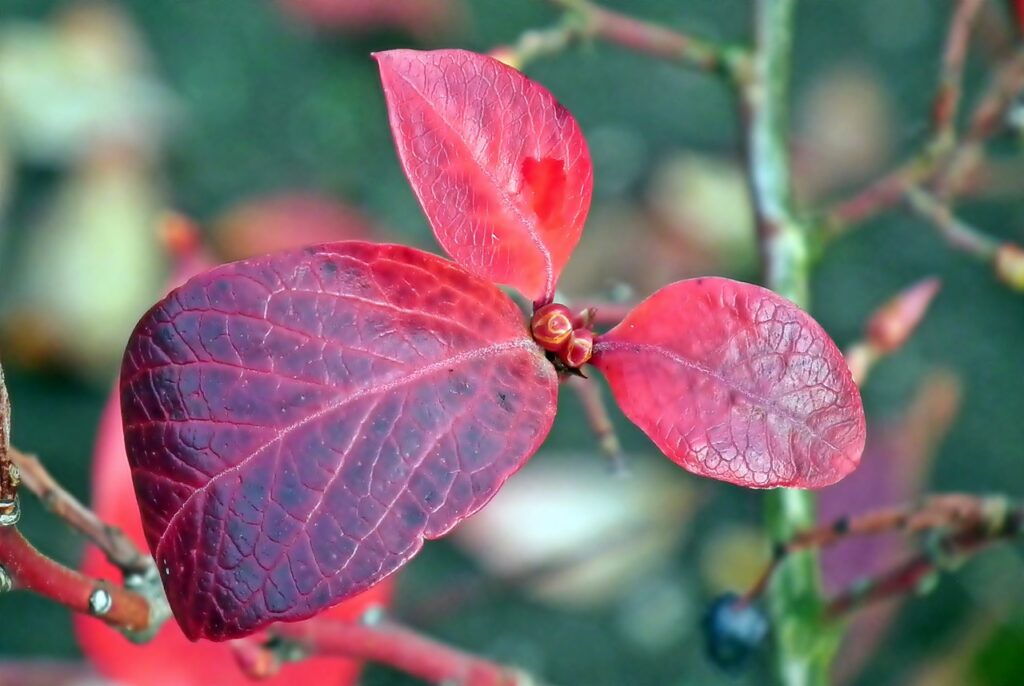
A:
(579, 348)
(893, 323)
(552, 326)
(1010, 265)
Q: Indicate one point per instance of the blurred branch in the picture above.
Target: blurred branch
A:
(1005, 259)
(957, 233)
(119, 549)
(8, 473)
(972, 524)
(962, 523)
(534, 44)
(987, 120)
(645, 37)
(393, 645)
(596, 411)
(936, 152)
(947, 100)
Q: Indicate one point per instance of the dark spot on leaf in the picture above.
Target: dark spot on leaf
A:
(503, 402)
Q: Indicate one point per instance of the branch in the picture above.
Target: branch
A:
(9, 511)
(937, 151)
(961, 524)
(537, 43)
(118, 548)
(947, 99)
(957, 233)
(589, 393)
(403, 649)
(651, 39)
(28, 569)
(987, 120)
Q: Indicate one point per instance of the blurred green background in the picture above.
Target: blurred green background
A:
(111, 114)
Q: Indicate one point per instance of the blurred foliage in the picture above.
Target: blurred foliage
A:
(112, 114)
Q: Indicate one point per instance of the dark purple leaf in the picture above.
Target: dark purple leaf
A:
(298, 424)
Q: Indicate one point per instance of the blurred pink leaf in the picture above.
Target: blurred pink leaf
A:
(422, 18)
(285, 221)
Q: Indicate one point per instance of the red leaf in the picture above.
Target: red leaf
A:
(500, 168)
(736, 383)
(170, 659)
(297, 424)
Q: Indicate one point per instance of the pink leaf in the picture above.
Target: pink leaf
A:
(736, 383)
(297, 424)
(500, 168)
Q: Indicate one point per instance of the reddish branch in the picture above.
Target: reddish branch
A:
(400, 648)
(8, 474)
(596, 412)
(889, 190)
(957, 233)
(965, 524)
(648, 38)
(30, 570)
(947, 100)
(118, 548)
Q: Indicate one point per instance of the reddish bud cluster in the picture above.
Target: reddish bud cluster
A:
(552, 326)
(556, 330)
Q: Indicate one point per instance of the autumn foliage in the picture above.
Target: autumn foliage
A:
(298, 424)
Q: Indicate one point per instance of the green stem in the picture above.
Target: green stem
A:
(804, 644)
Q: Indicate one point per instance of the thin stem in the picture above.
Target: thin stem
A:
(649, 38)
(959, 524)
(957, 233)
(971, 531)
(390, 644)
(947, 99)
(987, 119)
(938, 150)
(118, 548)
(30, 570)
(596, 412)
(535, 44)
